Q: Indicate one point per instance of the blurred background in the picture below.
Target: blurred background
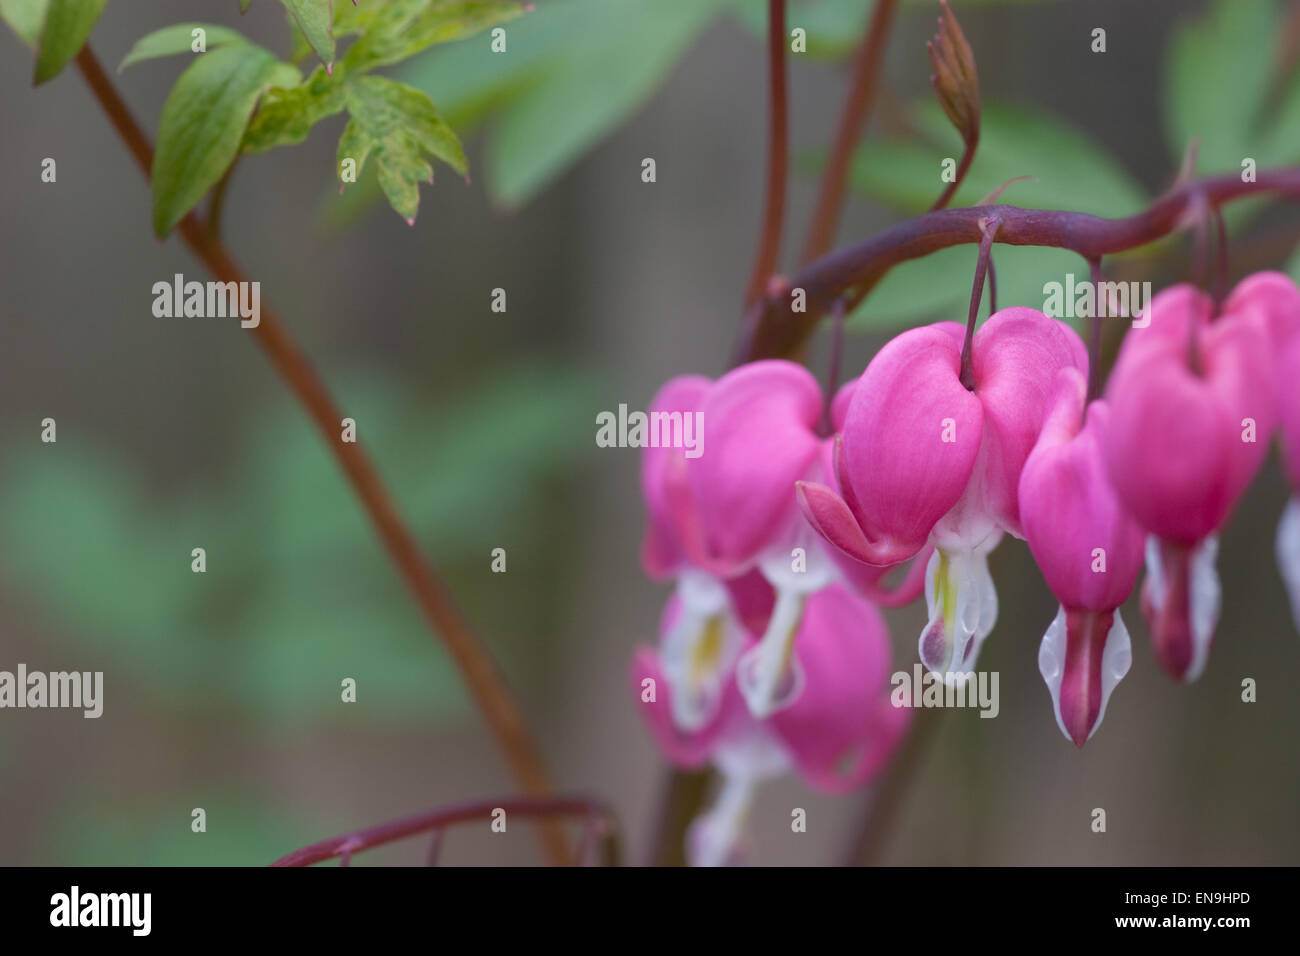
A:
(222, 689)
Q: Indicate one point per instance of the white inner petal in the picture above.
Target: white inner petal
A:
(1206, 599)
(963, 608)
(768, 674)
(698, 649)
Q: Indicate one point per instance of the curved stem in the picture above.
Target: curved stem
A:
(476, 665)
(778, 332)
(599, 819)
(769, 243)
(862, 91)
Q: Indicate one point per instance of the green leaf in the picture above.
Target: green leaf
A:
(1292, 268)
(406, 27)
(1072, 171)
(557, 92)
(1216, 79)
(179, 38)
(286, 117)
(24, 17)
(315, 18)
(203, 123)
(244, 5)
(399, 126)
(590, 91)
(67, 25)
(1281, 130)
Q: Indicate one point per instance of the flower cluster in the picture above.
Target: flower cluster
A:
(772, 653)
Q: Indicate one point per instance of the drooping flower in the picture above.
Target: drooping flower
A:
(1192, 410)
(733, 511)
(924, 459)
(1090, 552)
(700, 649)
(836, 735)
(1272, 300)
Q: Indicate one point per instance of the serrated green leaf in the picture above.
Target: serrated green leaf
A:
(203, 123)
(1216, 79)
(315, 18)
(179, 38)
(406, 27)
(244, 5)
(1073, 172)
(287, 116)
(24, 18)
(67, 25)
(399, 126)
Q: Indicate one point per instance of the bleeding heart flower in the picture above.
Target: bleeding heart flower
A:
(836, 735)
(1089, 550)
(1192, 412)
(1272, 300)
(734, 510)
(700, 649)
(924, 459)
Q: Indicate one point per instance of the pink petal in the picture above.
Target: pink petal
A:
(896, 464)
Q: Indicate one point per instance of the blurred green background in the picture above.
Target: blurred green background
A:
(222, 689)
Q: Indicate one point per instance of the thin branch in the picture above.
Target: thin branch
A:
(769, 243)
(967, 157)
(855, 269)
(437, 821)
(476, 665)
(857, 108)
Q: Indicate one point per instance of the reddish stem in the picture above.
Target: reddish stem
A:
(857, 108)
(547, 808)
(778, 332)
(769, 243)
(476, 665)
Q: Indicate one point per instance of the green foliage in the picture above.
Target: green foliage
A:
(558, 93)
(399, 126)
(67, 25)
(203, 122)
(403, 28)
(315, 18)
(286, 116)
(25, 18)
(1072, 171)
(1217, 75)
(178, 38)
